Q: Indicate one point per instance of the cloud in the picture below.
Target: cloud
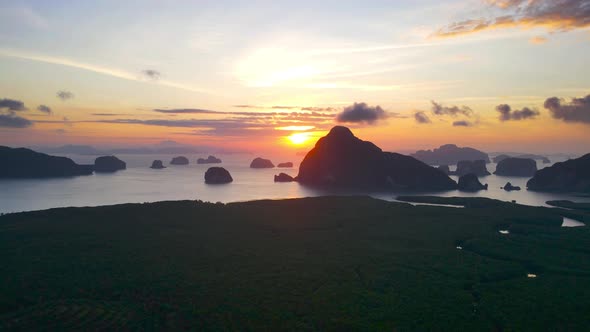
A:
(303, 108)
(229, 124)
(108, 114)
(278, 115)
(362, 113)
(151, 74)
(44, 109)
(60, 131)
(113, 72)
(538, 40)
(248, 106)
(202, 123)
(318, 109)
(507, 114)
(65, 95)
(421, 117)
(578, 110)
(463, 123)
(554, 15)
(13, 121)
(12, 105)
(285, 107)
(185, 111)
(439, 109)
(215, 127)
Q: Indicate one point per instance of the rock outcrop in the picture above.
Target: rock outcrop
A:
(543, 159)
(283, 177)
(108, 164)
(157, 164)
(516, 167)
(217, 175)
(340, 159)
(181, 160)
(477, 167)
(568, 176)
(25, 163)
(261, 163)
(450, 154)
(285, 165)
(470, 182)
(509, 187)
(209, 160)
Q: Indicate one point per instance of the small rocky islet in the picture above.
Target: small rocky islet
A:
(180, 160)
(217, 175)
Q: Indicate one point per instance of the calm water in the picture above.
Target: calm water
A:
(139, 184)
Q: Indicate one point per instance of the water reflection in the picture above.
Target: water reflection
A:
(140, 184)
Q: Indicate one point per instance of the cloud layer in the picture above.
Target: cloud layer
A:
(555, 15)
(578, 110)
(361, 113)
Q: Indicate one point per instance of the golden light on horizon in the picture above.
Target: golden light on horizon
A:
(299, 138)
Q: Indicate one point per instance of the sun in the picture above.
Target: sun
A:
(298, 138)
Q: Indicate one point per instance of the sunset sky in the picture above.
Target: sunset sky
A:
(504, 75)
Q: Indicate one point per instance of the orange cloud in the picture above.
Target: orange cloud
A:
(554, 15)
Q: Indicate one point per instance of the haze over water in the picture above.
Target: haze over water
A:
(138, 184)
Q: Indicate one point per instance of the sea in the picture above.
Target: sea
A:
(139, 184)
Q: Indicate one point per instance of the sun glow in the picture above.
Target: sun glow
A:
(299, 138)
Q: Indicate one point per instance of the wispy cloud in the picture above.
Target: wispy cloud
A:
(303, 108)
(97, 69)
(233, 127)
(554, 15)
(292, 114)
(108, 114)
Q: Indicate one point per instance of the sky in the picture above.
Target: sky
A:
(498, 75)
